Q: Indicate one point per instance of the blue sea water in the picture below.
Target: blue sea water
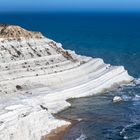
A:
(115, 37)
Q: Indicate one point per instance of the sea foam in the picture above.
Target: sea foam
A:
(82, 137)
(137, 81)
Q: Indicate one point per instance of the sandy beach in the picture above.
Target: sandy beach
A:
(58, 133)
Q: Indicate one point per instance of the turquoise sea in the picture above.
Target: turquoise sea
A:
(115, 37)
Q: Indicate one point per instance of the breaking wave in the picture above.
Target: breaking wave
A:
(131, 98)
(137, 81)
(82, 137)
(131, 131)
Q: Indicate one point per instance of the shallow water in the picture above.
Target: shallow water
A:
(115, 37)
(102, 119)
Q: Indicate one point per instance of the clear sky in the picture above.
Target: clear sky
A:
(69, 5)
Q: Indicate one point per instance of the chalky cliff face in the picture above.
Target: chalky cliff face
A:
(37, 76)
(29, 56)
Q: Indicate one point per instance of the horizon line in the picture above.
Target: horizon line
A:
(78, 11)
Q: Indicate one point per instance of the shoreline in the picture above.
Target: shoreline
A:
(40, 78)
(59, 133)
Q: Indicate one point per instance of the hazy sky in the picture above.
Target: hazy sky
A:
(69, 5)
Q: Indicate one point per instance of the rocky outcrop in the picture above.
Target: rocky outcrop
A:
(37, 76)
(117, 99)
(11, 32)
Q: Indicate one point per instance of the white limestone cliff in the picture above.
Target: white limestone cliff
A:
(37, 76)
